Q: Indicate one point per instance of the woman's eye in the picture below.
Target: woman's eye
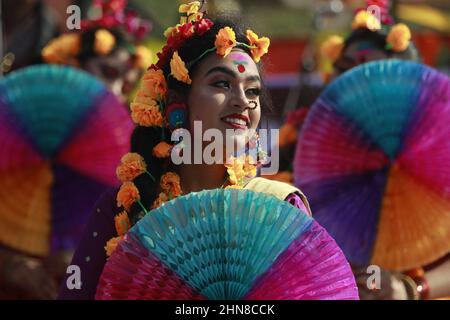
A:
(255, 92)
(222, 84)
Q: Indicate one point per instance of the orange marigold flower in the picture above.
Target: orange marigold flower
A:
(178, 69)
(162, 198)
(154, 84)
(131, 166)
(104, 42)
(235, 170)
(225, 41)
(143, 57)
(112, 244)
(62, 49)
(365, 19)
(170, 184)
(146, 115)
(128, 194)
(122, 223)
(162, 150)
(332, 48)
(399, 37)
(262, 45)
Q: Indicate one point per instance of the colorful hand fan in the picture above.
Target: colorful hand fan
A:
(62, 134)
(374, 160)
(227, 244)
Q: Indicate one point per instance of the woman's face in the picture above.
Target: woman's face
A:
(225, 94)
(116, 71)
(358, 53)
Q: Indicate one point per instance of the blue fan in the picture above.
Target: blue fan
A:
(227, 244)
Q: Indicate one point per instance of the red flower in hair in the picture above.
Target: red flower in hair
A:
(164, 56)
(203, 25)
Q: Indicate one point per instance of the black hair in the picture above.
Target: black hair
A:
(144, 139)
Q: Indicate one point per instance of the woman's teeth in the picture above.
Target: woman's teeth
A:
(237, 121)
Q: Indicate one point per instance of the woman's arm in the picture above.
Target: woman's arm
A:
(90, 256)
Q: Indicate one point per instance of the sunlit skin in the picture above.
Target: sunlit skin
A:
(220, 92)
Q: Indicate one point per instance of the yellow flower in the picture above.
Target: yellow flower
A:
(143, 57)
(162, 150)
(122, 223)
(288, 135)
(235, 170)
(225, 41)
(249, 167)
(62, 49)
(146, 115)
(112, 244)
(332, 48)
(365, 19)
(178, 69)
(170, 184)
(190, 8)
(104, 42)
(131, 166)
(262, 45)
(128, 194)
(154, 84)
(399, 37)
(162, 198)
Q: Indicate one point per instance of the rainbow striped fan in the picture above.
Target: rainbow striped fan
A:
(227, 244)
(374, 159)
(62, 134)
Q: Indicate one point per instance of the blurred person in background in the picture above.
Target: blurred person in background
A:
(109, 46)
(371, 40)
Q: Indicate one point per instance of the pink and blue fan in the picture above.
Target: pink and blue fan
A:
(374, 159)
(227, 244)
(62, 134)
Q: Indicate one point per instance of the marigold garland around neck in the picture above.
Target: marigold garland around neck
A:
(150, 109)
(398, 36)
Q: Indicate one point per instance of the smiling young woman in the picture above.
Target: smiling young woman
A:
(209, 71)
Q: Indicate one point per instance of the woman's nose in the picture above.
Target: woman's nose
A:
(239, 99)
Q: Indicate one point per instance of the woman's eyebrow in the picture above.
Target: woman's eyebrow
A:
(231, 73)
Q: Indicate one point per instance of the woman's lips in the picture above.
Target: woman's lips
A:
(236, 121)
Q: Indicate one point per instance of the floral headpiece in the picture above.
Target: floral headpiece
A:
(150, 109)
(398, 36)
(66, 48)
